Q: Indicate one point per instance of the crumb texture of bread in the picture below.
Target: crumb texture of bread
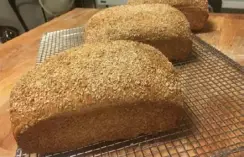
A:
(159, 25)
(97, 92)
(196, 11)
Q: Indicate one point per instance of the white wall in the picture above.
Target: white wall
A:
(239, 4)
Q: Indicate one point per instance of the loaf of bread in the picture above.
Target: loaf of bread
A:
(196, 11)
(158, 25)
(97, 92)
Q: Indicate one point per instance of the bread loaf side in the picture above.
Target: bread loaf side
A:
(97, 92)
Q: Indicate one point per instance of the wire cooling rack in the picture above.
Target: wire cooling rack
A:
(213, 87)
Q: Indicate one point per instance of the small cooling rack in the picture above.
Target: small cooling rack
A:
(213, 87)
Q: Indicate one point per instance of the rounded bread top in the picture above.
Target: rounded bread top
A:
(139, 22)
(203, 4)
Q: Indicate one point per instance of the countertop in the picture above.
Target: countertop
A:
(224, 31)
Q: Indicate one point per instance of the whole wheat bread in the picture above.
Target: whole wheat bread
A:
(97, 92)
(158, 25)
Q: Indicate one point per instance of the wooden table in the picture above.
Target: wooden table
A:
(224, 31)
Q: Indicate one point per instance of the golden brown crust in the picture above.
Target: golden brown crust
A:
(196, 11)
(86, 80)
(141, 22)
(147, 23)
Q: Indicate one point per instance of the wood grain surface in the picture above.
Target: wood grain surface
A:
(224, 31)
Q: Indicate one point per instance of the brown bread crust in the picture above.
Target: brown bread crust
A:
(196, 11)
(97, 92)
(159, 25)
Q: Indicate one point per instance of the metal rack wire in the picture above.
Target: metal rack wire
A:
(213, 87)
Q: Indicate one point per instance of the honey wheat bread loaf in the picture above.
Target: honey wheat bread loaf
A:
(98, 92)
(196, 11)
(158, 25)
